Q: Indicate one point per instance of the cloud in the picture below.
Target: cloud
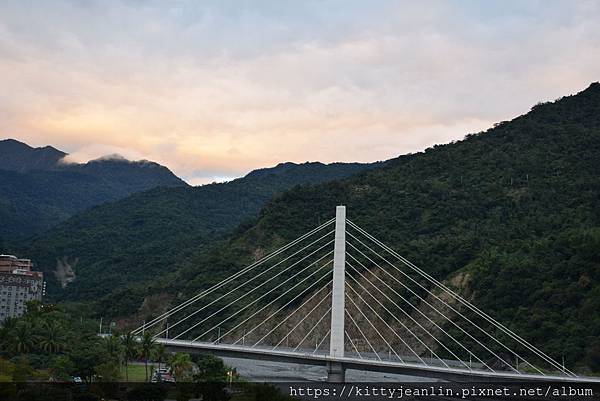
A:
(225, 87)
(98, 151)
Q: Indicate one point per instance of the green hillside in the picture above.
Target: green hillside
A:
(39, 191)
(514, 208)
(149, 234)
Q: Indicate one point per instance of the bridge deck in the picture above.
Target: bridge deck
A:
(374, 365)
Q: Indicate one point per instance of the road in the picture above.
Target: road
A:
(267, 371)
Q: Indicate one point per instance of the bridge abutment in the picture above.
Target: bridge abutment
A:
(336, 373)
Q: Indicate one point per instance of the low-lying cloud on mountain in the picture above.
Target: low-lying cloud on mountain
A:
(104, 152)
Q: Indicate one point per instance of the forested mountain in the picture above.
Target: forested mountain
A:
(39, 190)
(18, 156)
(514, 210)
(148, 234)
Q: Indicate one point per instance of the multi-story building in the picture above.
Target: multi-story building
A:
(19, 284)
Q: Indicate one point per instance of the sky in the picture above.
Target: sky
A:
(214, 89)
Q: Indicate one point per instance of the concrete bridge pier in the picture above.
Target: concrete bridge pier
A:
(336, 373)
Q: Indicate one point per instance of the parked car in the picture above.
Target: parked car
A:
(162, 375)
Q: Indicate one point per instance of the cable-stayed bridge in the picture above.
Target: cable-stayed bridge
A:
(339, 297)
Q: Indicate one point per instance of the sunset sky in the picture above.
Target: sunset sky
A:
(213, 89)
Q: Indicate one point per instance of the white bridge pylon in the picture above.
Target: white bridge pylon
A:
(336, 341)
(338, 295)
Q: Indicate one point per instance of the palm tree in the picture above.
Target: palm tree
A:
(147, 346)
(9, 323)
(23, 337)
(181, 364)
(112, 347)
(130, 350)
(160, 354)
(52, 338)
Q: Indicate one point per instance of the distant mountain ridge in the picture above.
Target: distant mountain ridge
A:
(39, 190)
(144, 235)
(18, 156)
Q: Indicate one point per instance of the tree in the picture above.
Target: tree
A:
(146, 348)
(23, 337)
(267, 392)
(52, 338)
(7, 369)
(108, 371)
(593, 356)
(181, 365)
(85, 357)
(113, 348)
(147, 392)
(61, 368)
(210, 369)
(159, 354)
(9, 323)
(22, 370)
(6, 335)
(130, 350)
(34, 310)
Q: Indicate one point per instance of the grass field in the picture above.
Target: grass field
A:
(137, 372)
